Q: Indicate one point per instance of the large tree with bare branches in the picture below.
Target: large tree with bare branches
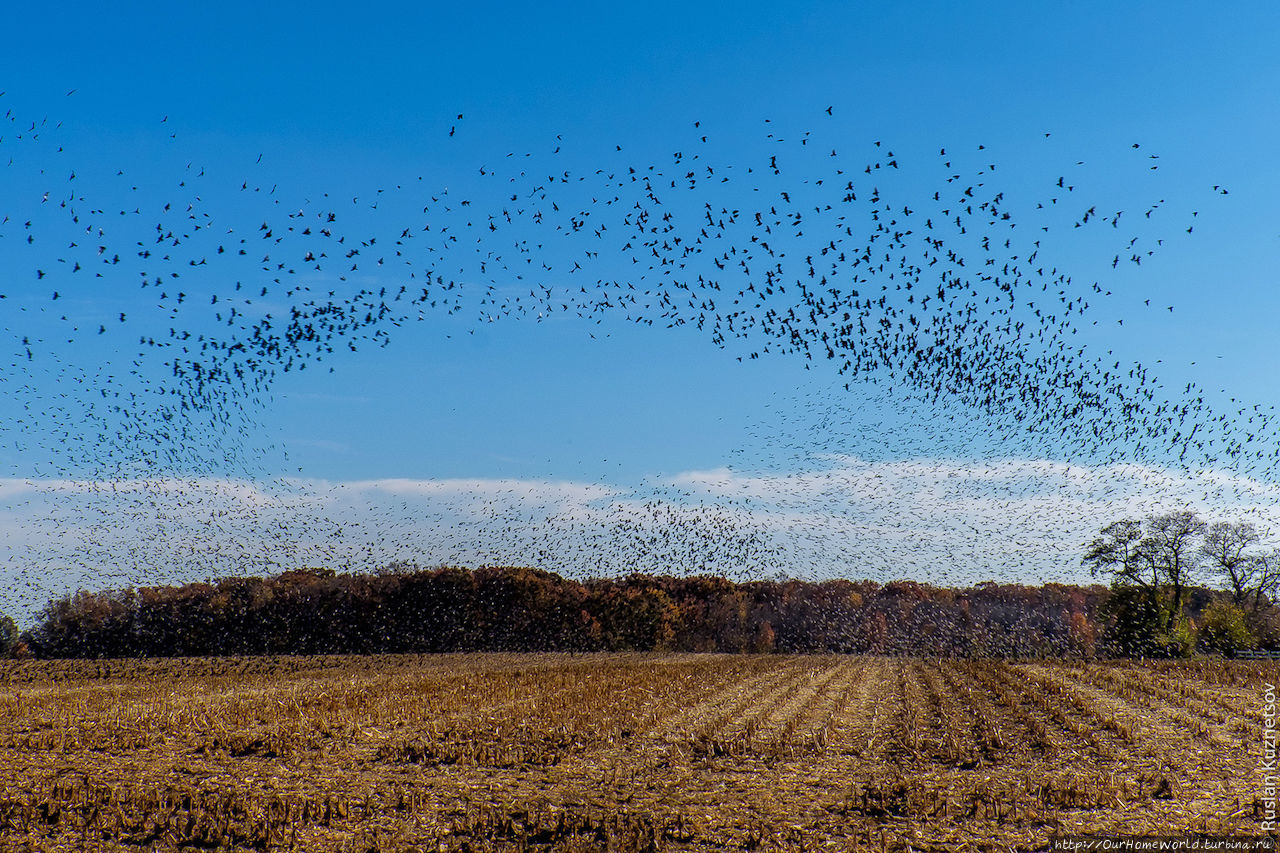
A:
(1229, 552)
(1170, 548)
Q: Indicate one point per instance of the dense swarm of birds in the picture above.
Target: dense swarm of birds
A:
(929, 281)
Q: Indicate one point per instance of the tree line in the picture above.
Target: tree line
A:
(520, 609)
(1155, 562)
(317, 611)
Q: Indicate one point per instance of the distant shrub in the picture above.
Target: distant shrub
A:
(1179, 641)
(8, 635)
(1223, 628)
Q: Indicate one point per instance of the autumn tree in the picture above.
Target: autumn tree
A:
(1082, 635)
(1223, 628)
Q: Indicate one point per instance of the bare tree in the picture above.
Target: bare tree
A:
(1225, 547)
(1169, 548)
(1265, 580)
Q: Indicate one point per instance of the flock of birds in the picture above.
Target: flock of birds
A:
(931, 287)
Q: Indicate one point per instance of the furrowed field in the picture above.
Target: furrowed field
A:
(622, 752)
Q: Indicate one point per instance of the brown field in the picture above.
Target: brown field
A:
(622, 753)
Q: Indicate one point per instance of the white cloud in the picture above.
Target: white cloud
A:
(477, 489)
(957, 522)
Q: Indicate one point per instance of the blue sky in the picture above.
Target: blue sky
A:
(322, 98)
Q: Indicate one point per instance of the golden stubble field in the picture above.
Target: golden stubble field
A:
(622, 752)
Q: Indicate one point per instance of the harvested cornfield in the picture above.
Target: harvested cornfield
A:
(622, 752)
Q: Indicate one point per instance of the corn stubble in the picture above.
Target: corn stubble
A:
(620, 752)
